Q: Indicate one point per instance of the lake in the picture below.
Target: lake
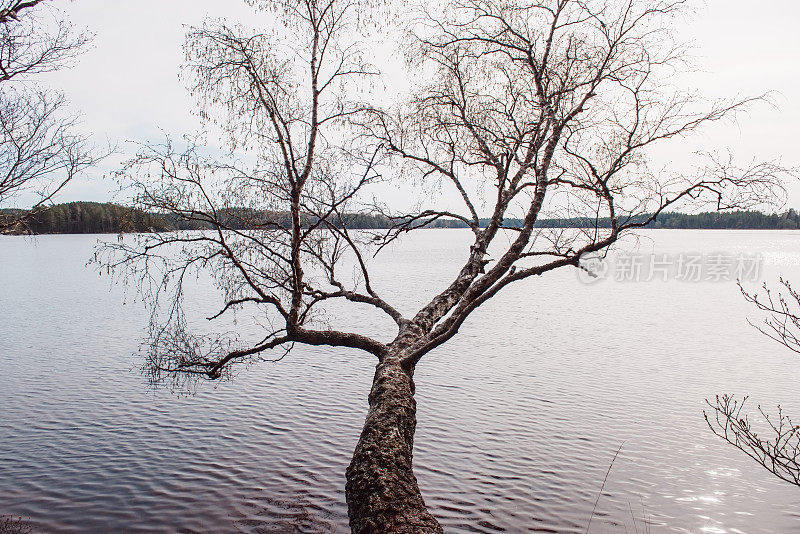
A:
(519, 415)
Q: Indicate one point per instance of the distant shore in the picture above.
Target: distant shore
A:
(108, 218)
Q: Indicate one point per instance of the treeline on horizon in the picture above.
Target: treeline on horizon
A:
(99, 218)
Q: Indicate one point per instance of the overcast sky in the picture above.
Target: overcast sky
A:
(127, 87)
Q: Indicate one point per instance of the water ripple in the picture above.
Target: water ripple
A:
(519, 417)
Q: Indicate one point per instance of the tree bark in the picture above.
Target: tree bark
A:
(382, 491)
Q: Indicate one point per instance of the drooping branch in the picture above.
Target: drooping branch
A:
(782, 323)
(779, 452)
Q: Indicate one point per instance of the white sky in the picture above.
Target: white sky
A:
(127, 87)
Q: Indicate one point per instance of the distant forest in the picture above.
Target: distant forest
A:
(98, 218)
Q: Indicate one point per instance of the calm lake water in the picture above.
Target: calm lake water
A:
(519, 415)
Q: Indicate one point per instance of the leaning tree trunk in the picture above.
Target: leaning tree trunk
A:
(382, 491)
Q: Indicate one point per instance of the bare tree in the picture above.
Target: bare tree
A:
(550, 104)
(40, 150)
(779, 451)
